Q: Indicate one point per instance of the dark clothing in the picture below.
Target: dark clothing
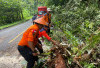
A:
(48, 31)
(40, 50)
(34, 17)
(26, 52)
(39, 42)
(42, 29)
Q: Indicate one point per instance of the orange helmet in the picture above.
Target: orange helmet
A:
(42, 20)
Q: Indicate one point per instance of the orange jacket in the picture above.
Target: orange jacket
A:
(42, 32)
(31, 34)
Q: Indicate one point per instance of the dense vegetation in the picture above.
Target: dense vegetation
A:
(15, 10)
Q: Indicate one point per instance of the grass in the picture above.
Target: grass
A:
(15, 23)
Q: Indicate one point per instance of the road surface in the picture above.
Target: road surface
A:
(10, 36)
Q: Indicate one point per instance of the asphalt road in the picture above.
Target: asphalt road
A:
(12, 35)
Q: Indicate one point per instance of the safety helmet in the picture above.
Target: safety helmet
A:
(41, 10)
(49, 9)
(42, 20)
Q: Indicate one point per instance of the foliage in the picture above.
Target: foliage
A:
(15, 23)
(10, 12)
(15, 10)
(79, 22)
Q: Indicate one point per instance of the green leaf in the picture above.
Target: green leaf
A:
(48, 53)
(97, 32)
(91, 25)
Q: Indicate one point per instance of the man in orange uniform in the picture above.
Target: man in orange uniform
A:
(29, 41)
(49, 15)
(49, 19)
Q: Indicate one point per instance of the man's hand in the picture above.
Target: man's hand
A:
(35, 54)
(42, 39)
(54, 42)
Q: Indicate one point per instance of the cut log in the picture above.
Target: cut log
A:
(59, 61)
